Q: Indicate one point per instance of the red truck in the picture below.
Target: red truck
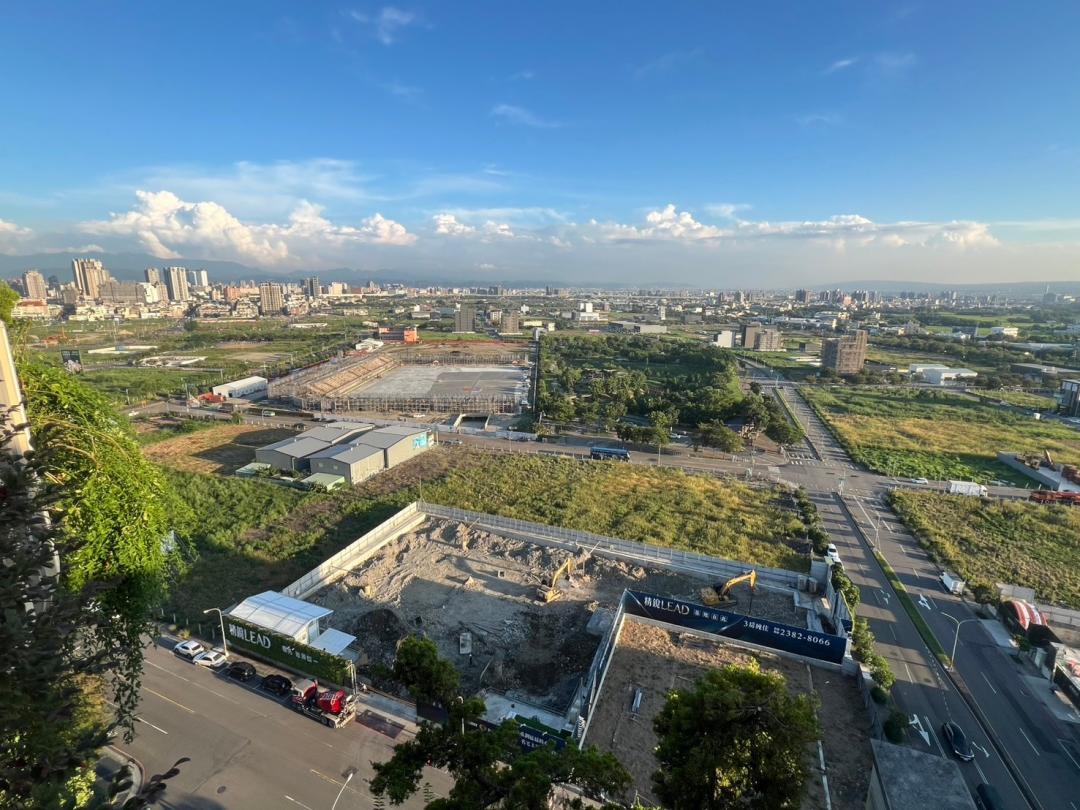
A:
(334, 708)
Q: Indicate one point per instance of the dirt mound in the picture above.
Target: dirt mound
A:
(378, 633)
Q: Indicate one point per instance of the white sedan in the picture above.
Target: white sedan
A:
(832, 555)
(189, 649)
(211, 658)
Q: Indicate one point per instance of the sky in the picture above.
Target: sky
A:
(707, 144)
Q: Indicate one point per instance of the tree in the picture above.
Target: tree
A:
(489, 767)
(784, 432)
(714, 434)
(108, 550)
(420, 670)
(8, 298)
(736, 740)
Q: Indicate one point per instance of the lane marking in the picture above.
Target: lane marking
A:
(992, 689)
(933, 733)
(1070, 756)
(894, 638)
(1029, 742)
(144, 720)
(910, 677)
(982, 775)
(173, 702)
(297, 801)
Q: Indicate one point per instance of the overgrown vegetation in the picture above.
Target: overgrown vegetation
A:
(985, 542)
(250, 536)
(935, 434)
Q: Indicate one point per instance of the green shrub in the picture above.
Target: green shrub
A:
(879, 695)
(894, 726)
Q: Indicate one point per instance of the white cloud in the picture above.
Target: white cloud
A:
(407, 92)
(164, 224)
(894, 63)
(11, 229)
(13, 237)
(509, 114)
(447, 224)
(387, 23)
(819, 119)
(667, 62)
(841, 64)
(522, 76)
(726, 210)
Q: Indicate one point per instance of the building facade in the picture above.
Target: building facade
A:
(176, 282)
(845, 355)
(34, 284)
(271, 301)
(89, 274)
(465, 318)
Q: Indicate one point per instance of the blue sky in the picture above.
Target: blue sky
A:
(681, 142)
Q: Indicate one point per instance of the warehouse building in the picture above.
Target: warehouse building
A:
(398, 443)
(248, 388)
(290, 455)
(336, 432)
(351, 462)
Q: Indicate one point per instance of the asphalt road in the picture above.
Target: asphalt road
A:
(247, 749)
(1044, 749)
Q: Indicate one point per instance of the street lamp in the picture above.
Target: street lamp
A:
(221, 618)
(349, 774)
(957, 636)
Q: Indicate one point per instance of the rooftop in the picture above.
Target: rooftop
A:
(297, 446)
(913, 780)
(278, 612)
(348, 453)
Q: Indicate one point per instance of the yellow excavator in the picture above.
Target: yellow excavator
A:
(717, 595)
(549, 588)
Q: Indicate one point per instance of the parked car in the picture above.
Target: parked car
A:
(278, 684)
(211, 658)
(189, 649)
(240, 671)
(919, 480)
(832, 555)
(957, 740)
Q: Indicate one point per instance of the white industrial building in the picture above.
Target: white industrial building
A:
(289, 455)
(247, 388)
(292, 618)
(938, 374)
(352, 463)
(352, 450)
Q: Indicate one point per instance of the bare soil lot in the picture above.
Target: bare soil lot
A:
(445, 579)
(656, 661)
(221, 450)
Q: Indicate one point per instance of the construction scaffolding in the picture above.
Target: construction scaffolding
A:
(496, 403)
(333, 377)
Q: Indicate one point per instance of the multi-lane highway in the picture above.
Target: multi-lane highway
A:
(249, 750)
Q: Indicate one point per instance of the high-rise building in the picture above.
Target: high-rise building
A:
(511, 323)
(177, 283)
(311, 287)
(804, 296)
(465, 318)
(749, 334)
(34, 284)
(153, 275)
(845, 355)
(198, 278)
(271, 301)
(89, 274)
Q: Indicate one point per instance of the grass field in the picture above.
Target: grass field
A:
(934, 433)
(986, 542)
(250, 535)
(221, 448)
(1021, 398)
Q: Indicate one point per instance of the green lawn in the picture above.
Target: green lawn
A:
(935, 434)
(985, 542)
(1022, 398)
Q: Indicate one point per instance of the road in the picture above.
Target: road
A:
(249, 750)
(1044, 749)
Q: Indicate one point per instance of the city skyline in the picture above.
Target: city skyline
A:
(809, 147)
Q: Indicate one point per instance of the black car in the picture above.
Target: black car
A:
(987, 798)
(278, 684)
(240, 671)
(957, 740)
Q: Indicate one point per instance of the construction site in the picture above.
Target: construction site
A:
(649, 662)
(491, 378)
(526, 615)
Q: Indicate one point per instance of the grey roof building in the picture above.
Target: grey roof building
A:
(336, 432)
(353, 462)
(906, 779)
(398, 442)
(289, 455)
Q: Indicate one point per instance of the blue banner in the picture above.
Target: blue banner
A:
(764, 633)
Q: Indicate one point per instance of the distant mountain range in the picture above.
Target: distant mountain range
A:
(130, 266)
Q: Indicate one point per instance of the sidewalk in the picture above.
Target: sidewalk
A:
(112, 760)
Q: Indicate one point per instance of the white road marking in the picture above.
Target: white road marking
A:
(992, 689)
(982, 775)
(1070, 756)
(894, 638)
(934, 735)
(932, 602)
(910, 677)
(297, 801)
(978, 747)
(922, 600)
(158, 728)
(169, 699)
(917, 725)
(1029, 742)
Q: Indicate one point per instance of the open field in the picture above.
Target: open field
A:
(986, 542)
(664, 507)
(1023, 399)
(934, 433)
(221, 449)
(656, 661)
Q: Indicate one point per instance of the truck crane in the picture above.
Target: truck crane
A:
(717, 595)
